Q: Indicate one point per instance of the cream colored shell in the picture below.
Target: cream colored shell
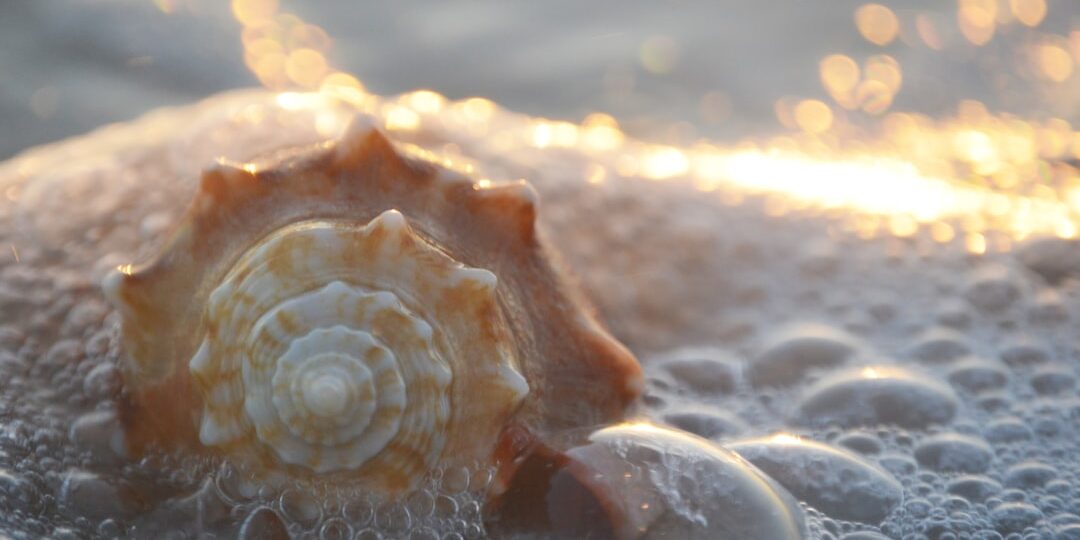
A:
(333, 345)
(325, 345)
(344, 313)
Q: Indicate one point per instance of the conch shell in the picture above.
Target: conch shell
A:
(346, 313)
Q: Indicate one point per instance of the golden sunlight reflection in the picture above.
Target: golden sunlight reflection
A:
(813, 116)
(1054, 61)
(840, 74)
(977, 20)
(279, 48)
(877, 23)
(980, 179)
(785, 438)
(870, 373)
(1028, 12)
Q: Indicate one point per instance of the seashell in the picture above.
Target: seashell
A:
(348, 313)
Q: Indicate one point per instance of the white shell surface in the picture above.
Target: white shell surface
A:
(332, 346)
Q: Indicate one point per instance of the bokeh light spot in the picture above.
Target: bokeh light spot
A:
(659, 55)
(1054, 62)
(1028, 12)
(840, 75)
(250, 12)
(877, 24)
(977, 20)
(813, 116)
(306, 67)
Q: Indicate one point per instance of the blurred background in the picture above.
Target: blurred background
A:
(669, 71)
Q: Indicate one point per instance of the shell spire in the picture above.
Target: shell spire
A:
(350, 310)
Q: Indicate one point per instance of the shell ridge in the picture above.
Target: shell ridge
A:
(361, 350)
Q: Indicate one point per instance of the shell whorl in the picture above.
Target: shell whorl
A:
(353, 313)
(334, 340)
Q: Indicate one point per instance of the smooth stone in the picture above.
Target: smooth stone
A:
(797, 350)
(705, 421)
(974, 488)
(953, 452)
(839, 483)
(704, 370)
(940, 345)
(876, 395)
(977, 374)
(1029, 475)
(1014, 516)
(263, 524)
(993, 288)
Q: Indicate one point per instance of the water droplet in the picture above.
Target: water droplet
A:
(796, 350)
(705, 421)
(707, 371)
(876, 395)
(954, 452)
(832, 480)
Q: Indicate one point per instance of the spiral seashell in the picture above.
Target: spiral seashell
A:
(352, 314)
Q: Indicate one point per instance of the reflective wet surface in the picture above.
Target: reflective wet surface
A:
(861, 328)
(897, 385)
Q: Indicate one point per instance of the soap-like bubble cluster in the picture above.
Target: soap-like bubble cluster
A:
(913, 392)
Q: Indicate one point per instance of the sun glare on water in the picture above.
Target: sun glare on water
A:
(979, 170)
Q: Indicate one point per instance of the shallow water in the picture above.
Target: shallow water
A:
(74, 66)
(918, 390)
(898, 383)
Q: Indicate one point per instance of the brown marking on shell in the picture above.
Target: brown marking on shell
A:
(510, 205)
(577, 373)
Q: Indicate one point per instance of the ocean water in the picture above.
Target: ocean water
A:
(648, 64)
(911, 379)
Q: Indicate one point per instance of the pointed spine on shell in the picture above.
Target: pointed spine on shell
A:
(495, 336)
